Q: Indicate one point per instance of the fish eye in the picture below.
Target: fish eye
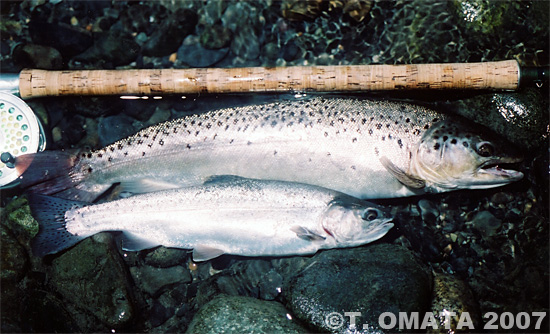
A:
(485, 149)
(370, 215)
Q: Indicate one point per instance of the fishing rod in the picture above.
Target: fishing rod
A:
(499, 75)
(21, 132)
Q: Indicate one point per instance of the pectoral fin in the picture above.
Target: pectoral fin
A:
(401, 175)
(205, 253)
(306, 234)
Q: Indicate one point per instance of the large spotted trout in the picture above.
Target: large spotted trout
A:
(366, 149)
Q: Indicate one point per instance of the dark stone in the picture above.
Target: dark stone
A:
(194, 55)
(37, 56)
(113, 128)
(163, 257)
(215, 37)
(69, 40)
(92, 277)
(111, 49)
(245, 43)
(170, 34)
(370, 280)
(290, 51)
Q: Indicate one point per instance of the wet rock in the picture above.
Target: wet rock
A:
(215, 37)
(113, 128)
(270, 285)
(20, 221)
(238, 314)
(15, 261)
(451, 295)
(163, 257)
(170, 33)
(370, 280)
(45, 311)
(194, 55)
(520, 117)
(501, 198)
(67, 39)
(245, 43)
(487, 17)
(160, 115)
(38, 56)
(486, 223)
(153, 280)
(94, 271)
(428, 211)
(111, 49)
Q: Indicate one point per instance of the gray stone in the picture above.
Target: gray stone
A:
(370, 280)
(521, 117)
(194, 55)
(237, 314)
(486, 223)
(153, 280)
(163, 257)
(453, 295)
(93, 279)
(113, 128)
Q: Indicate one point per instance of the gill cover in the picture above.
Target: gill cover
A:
(452, 155)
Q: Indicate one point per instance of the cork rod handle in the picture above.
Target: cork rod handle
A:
(488, 75)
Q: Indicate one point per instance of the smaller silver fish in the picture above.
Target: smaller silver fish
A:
(226, 215)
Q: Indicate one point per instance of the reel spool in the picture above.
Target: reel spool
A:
(20, 133)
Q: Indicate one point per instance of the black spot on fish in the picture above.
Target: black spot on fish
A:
(188, 146)
(354, 140)
(445, 138)
(388, 125)
(370, 132)
(326, 134)
(199, 124)
(453, 141)
(465, 144)
(140, 142)
(150, 145)
(353, 167)
(274, 152)
(379, 126)
(120, 146)
(125, 153)
(436, 137)
(197, 133)
(249, 143)
(231, 141)
(400, 143)
(142, 154)
(436, 120)
(99, 155)
(89, 155)
(383, 138)
(161, 142)
(436, 146)
(426, 127)
(363, 121)
(193, 122)
(110, 159)
(112, 149)
(408, 120)
(220, 123)
(90, 169)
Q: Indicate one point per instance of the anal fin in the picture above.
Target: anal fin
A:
(205, 253)
(132, 242)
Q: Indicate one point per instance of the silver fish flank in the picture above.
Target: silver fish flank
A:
(236, 216)
(366, 149)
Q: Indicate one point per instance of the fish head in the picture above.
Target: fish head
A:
(456, 155)
(353, 222)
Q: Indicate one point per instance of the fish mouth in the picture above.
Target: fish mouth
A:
(494, 169)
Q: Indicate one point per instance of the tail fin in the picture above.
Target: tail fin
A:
(54, 172)
(52, 235)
